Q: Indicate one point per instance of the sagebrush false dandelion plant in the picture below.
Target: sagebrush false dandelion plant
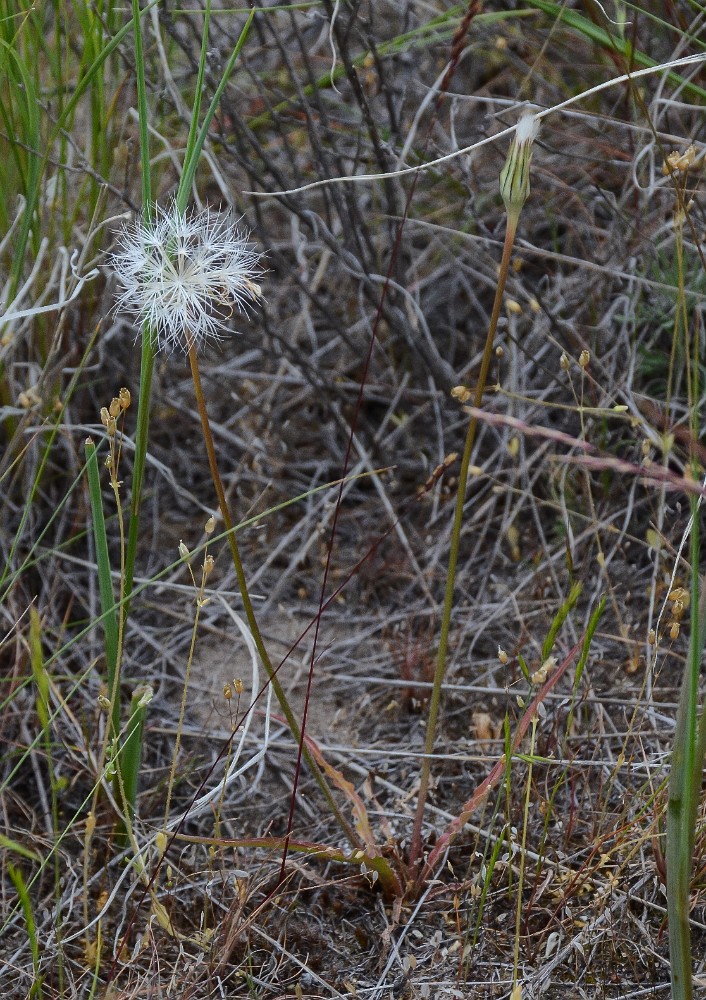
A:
(184, 274)
(514, 189)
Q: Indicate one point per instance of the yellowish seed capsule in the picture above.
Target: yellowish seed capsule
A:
(183, 550)
(502, 655)
(210, 526)
(680, 594)
(674, 630)
(652, 637)
(124, 397)
(584, 359)
(238, 685)
(111, 427)
(227, 692)
(105, 416)
(513, 307)
(208, 564)
(499, 351)
(564, 362)
(540, 676)
(461, 393)
(115, 407)
(160, 842)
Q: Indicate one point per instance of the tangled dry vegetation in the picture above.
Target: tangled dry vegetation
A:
(557, 880)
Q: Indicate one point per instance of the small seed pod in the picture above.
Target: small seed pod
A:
(115, 407)
(125, 398)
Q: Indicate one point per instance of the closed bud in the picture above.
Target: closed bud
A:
(183, 550)
(210, 525)
(514, 177)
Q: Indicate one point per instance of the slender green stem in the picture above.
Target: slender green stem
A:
(435, 700)
(247, 604)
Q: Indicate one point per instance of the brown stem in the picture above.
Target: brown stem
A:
(247, 603)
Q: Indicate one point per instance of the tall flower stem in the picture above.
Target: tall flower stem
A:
(435, 700)
(247, 604)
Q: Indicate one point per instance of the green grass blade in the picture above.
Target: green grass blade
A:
(685, 788)
(19, 883)
(613, 43)
(131, 752)
(193, 155)
(559, 619)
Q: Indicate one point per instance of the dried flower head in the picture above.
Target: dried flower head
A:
(183, 274)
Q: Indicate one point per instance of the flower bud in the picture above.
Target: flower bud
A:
(514, 177)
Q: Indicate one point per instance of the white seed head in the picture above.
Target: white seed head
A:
(182, 275)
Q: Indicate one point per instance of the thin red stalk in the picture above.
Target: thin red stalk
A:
(455, 827)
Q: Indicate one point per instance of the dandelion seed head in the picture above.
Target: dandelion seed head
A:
(182, 275)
